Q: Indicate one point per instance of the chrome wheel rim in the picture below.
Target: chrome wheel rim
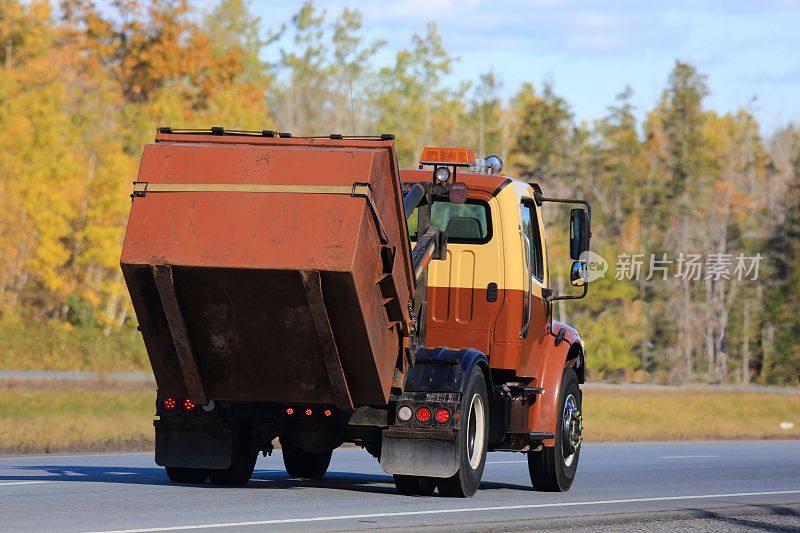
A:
(476, 431)
(572, 430)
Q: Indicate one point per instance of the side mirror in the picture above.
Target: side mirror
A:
(579, 233)
(577, 274)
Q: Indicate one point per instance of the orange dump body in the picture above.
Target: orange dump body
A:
(270, 269)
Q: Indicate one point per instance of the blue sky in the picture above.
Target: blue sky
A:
(591, 49)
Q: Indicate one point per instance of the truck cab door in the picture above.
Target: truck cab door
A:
(463, 295)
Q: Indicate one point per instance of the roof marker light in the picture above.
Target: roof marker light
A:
(457, 157)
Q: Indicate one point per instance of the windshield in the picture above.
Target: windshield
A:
(468, 223)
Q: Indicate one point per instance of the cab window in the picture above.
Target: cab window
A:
(530, 226)
(468, 223)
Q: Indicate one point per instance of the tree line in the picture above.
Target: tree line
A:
(82, 90)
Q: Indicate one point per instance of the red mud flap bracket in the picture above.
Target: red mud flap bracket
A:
(431, 453)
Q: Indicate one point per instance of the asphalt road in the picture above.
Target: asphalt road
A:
(720, 486)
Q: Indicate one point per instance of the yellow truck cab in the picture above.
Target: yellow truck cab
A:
(492, 292)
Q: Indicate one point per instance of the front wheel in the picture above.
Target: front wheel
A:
(553, 468)
(472, 439)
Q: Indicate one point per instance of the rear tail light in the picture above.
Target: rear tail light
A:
(423, 414)
(309, 412)
(442, 416)
(188, 405)
(328, 412)
(169, 404)
(289, 411)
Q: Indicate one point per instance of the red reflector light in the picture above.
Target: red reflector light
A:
(442, 415)
(289, 411)
(169, 404)
(423, 414)
(188, 405)
(309, 412)
(328, 412)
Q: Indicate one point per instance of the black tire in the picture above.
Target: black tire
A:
(472, 439)
(414, 485)
(302, 464)
(186, 475)
(243, 461)
(553, 468)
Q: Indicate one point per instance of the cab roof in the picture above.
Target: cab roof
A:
(489, 183)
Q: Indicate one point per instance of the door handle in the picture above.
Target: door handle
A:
(527, 324)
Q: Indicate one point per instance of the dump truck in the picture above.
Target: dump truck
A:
(305, 290)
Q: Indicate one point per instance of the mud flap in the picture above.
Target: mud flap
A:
(193, 446)
(419, 457)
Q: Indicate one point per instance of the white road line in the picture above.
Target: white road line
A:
(452, 511)
(504, 462)
(23, 482)
(23, 458)
(688, 456)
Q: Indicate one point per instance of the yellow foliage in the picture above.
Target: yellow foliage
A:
(78, 99)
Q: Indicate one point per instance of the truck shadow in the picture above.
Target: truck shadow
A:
(263, 479)
(752, 522)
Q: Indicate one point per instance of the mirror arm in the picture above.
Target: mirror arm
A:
(552, 298)
(540, 199)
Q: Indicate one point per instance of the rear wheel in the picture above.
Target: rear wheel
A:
(303, 464)
(243, 460)
(472, 439)
(186, 475)
(552, 469)
(414, 485)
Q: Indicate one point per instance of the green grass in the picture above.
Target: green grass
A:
(674, 414)
(53, 417)
(27, 345)
(48, 417)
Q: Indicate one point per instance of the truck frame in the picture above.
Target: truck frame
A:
(259, 324)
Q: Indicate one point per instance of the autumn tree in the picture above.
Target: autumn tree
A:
(39, 172)
(489, 120)
(412, 100)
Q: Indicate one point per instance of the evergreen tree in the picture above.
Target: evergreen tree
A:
(542, 134)
(782, 358)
